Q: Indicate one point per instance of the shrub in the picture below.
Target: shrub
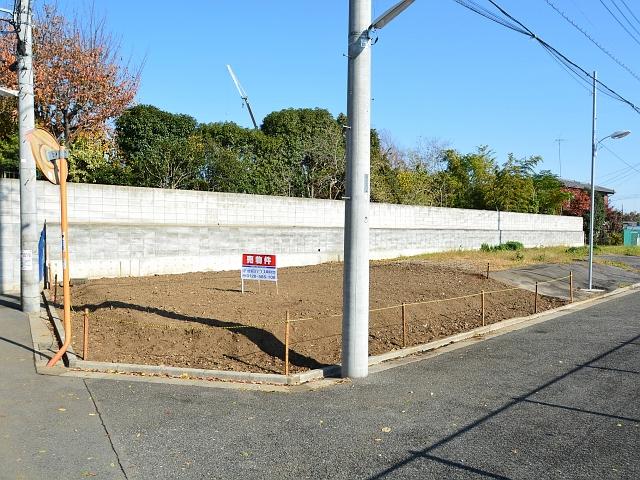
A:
(511, 245)
(584, 250)
(507, 246)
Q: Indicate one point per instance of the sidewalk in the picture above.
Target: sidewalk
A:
(49, 426)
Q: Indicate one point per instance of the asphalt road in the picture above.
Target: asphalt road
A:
(557, 400)
(605, 277)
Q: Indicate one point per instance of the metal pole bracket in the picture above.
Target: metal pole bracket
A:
(53, 155)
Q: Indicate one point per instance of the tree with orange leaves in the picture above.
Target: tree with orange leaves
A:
(79, 82)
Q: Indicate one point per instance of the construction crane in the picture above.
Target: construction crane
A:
(243, 95)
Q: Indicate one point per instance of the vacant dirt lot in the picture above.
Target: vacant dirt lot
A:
(202, 320)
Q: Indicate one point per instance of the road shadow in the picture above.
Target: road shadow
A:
(20, 345)
(266, 341)
(10, 301)
(426, 453)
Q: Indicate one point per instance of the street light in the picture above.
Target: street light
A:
(594, 151)
(8, 92)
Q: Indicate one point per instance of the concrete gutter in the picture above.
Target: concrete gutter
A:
(276, 382)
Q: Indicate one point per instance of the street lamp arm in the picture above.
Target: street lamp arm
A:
(390, 14)
(615, 135)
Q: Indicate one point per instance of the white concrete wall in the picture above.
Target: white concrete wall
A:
(142, 231)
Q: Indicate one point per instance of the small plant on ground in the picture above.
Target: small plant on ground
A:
(507, 246)
(584, 250)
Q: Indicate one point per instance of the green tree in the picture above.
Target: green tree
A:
(513, 189)
(161, 149)
(385, 185)
(95, 160)
(9, 143)
(599, 220)
(472, 177)
(313, 150)
(550, 194)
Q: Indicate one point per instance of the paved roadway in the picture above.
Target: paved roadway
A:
(557, 400)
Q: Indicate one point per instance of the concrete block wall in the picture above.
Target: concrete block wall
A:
(123, 231)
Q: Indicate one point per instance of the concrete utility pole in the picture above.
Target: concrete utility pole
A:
(355, 322)
(355, 319)
(29, 279)
(594, 152)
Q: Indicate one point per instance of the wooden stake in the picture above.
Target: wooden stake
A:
(286, 346)
(487, 270)
(404, 325)
(55, 289)
(482, 304)
(535, 300)
(571, 287)
(85, 343)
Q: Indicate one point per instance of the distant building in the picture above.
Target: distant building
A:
(581, 201)
(631, 235)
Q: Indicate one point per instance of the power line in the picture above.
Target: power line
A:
(592, 40)
(615, 174)
(518, 26)
(625, 17)
(619, 158)
(620, 23)
(580, 80)
(620, 177)
(576, 4)
(480, 10)
(630, 11)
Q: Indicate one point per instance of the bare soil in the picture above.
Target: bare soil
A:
(202, 320)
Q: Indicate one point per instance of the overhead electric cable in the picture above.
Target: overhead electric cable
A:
(630, 11)
(577, 5)
(619, 158)
(619, 176)
(618, 172)
(625, 17)
(480, 10)
(521, 28)
(582, 82)
(620, 23)
(592, 40)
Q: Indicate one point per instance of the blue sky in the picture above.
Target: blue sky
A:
(439, 72)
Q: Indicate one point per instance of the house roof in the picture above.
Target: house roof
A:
(586, 186)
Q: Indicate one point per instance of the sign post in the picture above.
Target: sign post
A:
(259, 266)
(51, 159)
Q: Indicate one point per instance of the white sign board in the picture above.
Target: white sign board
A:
(258, 266)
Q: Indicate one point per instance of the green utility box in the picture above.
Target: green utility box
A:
(632, 235)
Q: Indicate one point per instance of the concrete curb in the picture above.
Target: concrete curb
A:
(203, 377)
(506, 325)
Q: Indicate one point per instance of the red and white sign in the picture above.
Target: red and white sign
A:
(259, 266)
(258, 260)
